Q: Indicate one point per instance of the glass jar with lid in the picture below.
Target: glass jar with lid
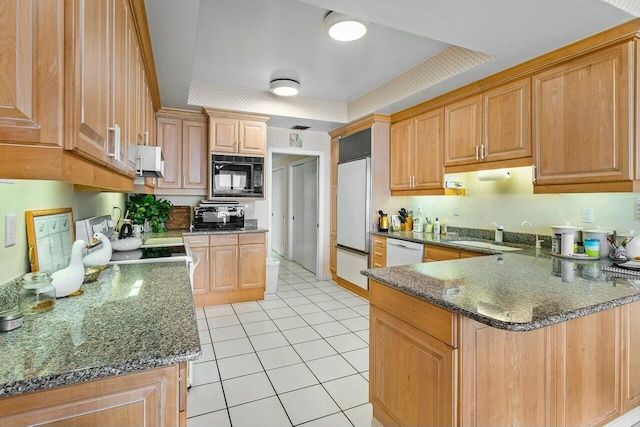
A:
(37, 294)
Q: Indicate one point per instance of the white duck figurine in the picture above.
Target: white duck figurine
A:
(101, 256)
(69, 280)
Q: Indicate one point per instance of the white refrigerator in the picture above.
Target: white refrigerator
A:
(353, 217)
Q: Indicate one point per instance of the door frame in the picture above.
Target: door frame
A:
(284, 196)
(321, 204)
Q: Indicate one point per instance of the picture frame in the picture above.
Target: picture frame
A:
(50, 235)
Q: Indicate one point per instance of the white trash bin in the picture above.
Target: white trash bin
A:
(272, 275)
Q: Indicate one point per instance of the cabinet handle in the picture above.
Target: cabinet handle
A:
(196, 241)
(139, 165)
(482, 152)
(146, 137)
(533, 173)
(116, 141)
(477, 156)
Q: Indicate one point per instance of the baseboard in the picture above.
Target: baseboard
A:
(376, 423)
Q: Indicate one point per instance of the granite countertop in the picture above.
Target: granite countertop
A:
(516, 291)
(133, 318)
(227, 231)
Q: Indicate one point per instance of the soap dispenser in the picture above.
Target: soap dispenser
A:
(436, 226)
(499, 232)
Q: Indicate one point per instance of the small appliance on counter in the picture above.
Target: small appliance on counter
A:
(383, 221)
(212, 215)
(418, 224)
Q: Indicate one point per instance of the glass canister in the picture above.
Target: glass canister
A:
(37, 294)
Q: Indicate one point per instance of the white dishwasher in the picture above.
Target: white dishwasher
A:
(401, 252)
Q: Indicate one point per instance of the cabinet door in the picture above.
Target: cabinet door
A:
(253, 138)
(412, 375)
(170, 139)
(507, 121)
(588, 369)
(400, 146)
(201, 274)
(252, 266)
(194, 154)
(223, 135)
(582, 120)
(506, 378)
(462, 131)
(426, 160)
(631, 356)
(31, 87)
(118, 96)
(333, 264)
(223, 268)
(133, 94)
(92, 82)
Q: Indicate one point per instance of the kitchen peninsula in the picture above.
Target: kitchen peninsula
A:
(115, 355)
(507, 339)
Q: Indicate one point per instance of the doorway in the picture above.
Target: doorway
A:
(304, 191)
(278, 211)
(284, 158)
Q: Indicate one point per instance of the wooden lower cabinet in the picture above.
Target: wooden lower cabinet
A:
(232, 267)
(412, 375)
(583, 372)
(149, 398)
(378, 251)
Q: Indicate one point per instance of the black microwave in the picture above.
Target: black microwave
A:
(237, 176)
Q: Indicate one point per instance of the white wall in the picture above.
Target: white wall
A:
(25, 195)
(510, 202)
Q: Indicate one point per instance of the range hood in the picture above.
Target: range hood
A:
(149, 161)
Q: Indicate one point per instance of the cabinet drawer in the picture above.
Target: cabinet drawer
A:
(435, 321)
(469, 254)
(251, 238)
(439, 253)
(379, 241)
(378, 262)
(223, 240)
(196, 241)
(379, 253)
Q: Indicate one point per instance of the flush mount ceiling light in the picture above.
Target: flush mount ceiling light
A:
(284, 87)
(344, 28)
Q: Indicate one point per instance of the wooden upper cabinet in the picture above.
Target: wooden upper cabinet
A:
(32, 80)
(582, 122)
(400, 147)
(183, 138)
(224, 135)
(463, 131)
(237, 133)
(253, 138)
(507, 121)
(427, 163)
(416, 153)
(120, 114)
(89, 75)
(169, 138)
(194, 154)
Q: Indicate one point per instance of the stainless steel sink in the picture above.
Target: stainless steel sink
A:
(485, 245)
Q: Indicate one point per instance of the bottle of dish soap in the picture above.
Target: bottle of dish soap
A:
(436, 226)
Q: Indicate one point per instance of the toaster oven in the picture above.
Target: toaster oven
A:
(218, 217)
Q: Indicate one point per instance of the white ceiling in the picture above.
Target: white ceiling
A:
(237, 46)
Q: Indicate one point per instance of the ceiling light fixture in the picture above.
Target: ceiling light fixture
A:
(344, 28)
(285, 87)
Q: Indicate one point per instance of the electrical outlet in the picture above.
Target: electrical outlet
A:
(587, 215)
(456, 211)
(9, 230)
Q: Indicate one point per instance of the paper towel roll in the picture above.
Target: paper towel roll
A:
(494, 175)
(567, 244)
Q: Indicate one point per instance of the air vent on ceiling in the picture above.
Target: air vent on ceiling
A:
(300, 127)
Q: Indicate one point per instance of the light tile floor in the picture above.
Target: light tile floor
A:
(299, 357)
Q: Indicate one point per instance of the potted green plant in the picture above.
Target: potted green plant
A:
(143, 207)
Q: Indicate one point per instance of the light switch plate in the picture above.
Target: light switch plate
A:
(9, 230)
(587, 215)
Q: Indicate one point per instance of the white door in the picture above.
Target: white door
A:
(305, 214)
(278, 211)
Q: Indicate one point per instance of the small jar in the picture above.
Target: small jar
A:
(37, 294)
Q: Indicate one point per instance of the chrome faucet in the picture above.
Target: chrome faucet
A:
(538, 242)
